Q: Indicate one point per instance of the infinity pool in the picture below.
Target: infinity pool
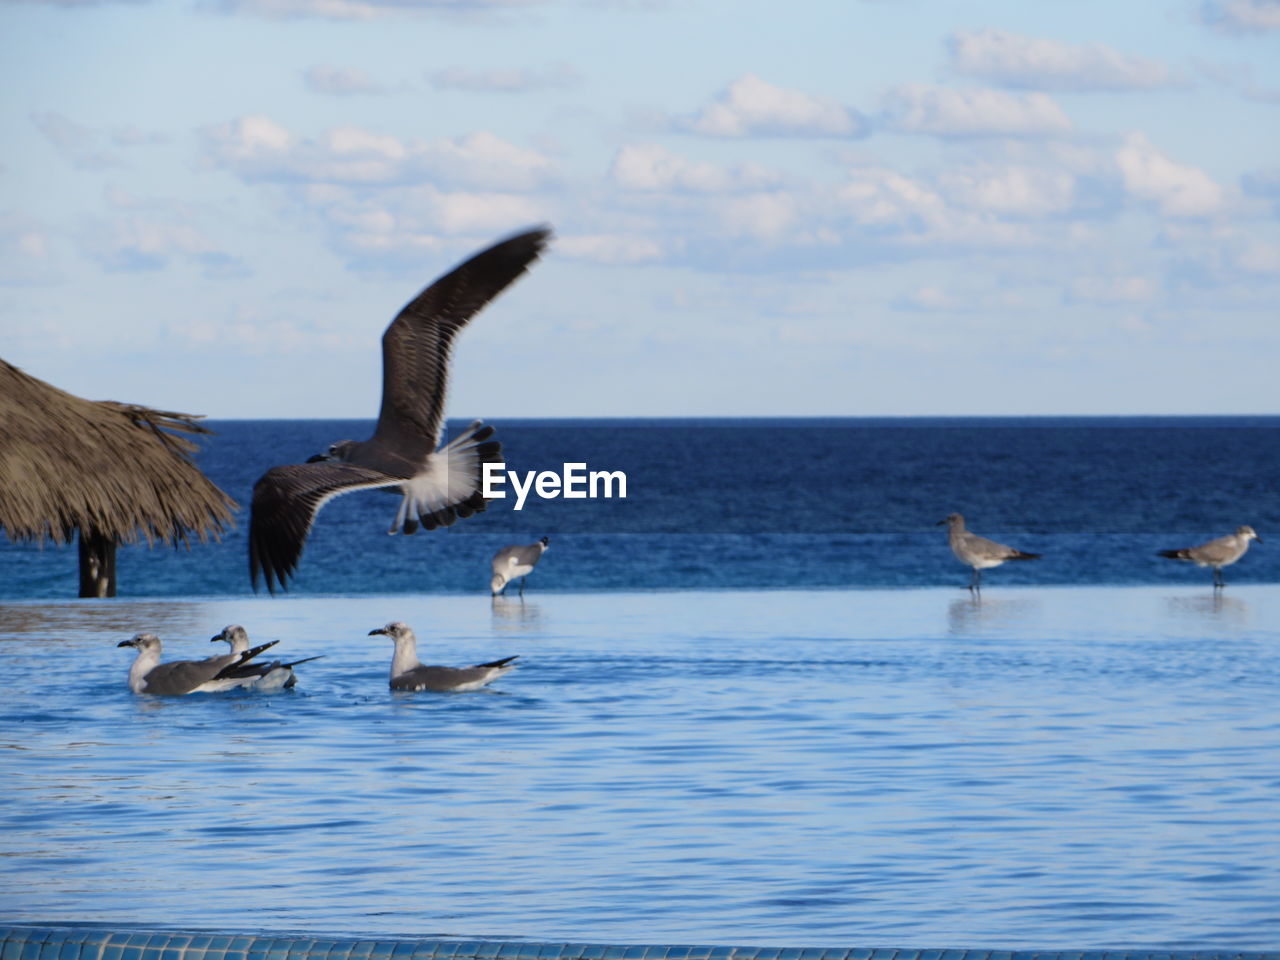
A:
(1053, 768)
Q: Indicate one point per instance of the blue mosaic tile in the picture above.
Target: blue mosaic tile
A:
(37, 943)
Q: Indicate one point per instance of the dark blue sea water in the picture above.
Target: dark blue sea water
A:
(725, 504)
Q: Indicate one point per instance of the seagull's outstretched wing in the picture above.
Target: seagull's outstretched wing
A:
(415, 347)
(285, 503)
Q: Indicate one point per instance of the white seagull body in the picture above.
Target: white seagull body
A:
(180, 677)
(1217, 553)
(410, 673)
(262, 677)
(512, 563)
(437, 486)
(978, 552)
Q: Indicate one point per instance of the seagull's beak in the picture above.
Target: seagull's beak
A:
(381, 630)
(127, 643)
(318, 458)
(941, 523)
(215, 639)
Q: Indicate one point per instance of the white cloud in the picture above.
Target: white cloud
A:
(973, 112)
(751, 107)
(341, 81)
(1258, 258)
(255, 148)
(356, 9)
(1117, 289)
(613, 248)
(149, 241)
(934, 299)
(26, 251)
(505, 80)
(78, 3)
(1177, 190)
(880, 197)
(1242, 16)
(407, 220)
(1019, 191)
(761, 216)
(1011, 60)
(649, 167)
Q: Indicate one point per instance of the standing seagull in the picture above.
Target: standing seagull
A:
(437, 486)
(264, 677)
(180, 677)
(1218, 553)
(409, 673)
(978, 552)
(511, 563)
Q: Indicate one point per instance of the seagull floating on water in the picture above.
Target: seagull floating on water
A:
(263, 677)
(409, 673)
(514, 563)
(978, 552)
(180, 677)
(437, 486)
(1217, 553)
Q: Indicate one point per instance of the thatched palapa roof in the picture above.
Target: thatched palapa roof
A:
(119, 470)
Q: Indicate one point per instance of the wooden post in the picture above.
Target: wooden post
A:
(97, 565)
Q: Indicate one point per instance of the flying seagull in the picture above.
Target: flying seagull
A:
(437, 486)
(264, 677)
(1218, 553)
(180, 677)
(409, 673)
(512, 563)
(978, 552)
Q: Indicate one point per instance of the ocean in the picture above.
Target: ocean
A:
(758, 504)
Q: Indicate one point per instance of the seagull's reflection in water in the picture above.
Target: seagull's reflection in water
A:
(1214, 607)
(511, 614)
(976, 613)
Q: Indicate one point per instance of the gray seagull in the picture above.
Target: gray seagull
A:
(180, 677)
(437, 486)
(409, 673)
(512, 563)
(978, 552)
(1217, 553)
(263, 677)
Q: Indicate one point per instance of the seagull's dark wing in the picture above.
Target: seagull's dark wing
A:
(415, 347)
(285, 503)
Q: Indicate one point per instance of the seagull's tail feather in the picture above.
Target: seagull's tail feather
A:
(1182, 554)
(234, 669)
(499, 663)
(456, 488)
(1022, 555)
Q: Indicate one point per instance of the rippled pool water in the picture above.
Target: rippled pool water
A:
(1056, 768)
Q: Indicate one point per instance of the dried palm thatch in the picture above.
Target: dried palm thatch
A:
(117, 472)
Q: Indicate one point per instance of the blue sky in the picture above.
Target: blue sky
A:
(826, 207)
